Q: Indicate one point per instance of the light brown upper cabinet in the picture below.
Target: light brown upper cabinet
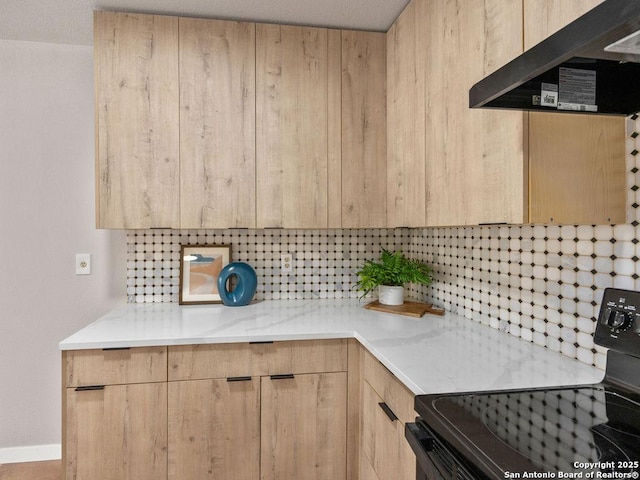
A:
(320, 128)
(293, 113)
(364, 130)
(475, 160)
(451, 165)
(405, 121)
(576, 162)
(448, 165)
(217, 124)
(175, 122)
(137, 120)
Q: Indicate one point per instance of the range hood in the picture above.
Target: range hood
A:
(591, 66)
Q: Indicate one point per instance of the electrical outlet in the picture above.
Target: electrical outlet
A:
(83, 264)
(286, 263)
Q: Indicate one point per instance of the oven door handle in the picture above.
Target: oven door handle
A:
(421, 442)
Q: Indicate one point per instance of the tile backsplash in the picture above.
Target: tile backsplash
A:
(542, 283)
(324, 261)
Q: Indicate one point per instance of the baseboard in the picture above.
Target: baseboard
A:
(34, 453)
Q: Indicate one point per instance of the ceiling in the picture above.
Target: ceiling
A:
(71, 21)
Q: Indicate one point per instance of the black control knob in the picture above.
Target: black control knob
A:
(618, 320)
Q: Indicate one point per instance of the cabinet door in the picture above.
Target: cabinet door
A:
(406, 188)
(383, 444)
(137, 149)
(577, 169)
(304, 427)
(292, 142)
(118, 432)
(475, 159)
(364, 175)
(576, 162)
(217, 123)
(214, 429)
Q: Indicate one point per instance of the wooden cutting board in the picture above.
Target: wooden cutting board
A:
(410, 309)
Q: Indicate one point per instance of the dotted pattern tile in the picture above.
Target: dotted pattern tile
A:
(542, 283)
(325, 261)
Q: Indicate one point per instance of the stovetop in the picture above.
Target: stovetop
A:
(588, 431)
(582, 429)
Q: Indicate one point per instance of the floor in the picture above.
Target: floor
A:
(49, 470)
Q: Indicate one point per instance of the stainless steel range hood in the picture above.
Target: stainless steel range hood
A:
(590, 66)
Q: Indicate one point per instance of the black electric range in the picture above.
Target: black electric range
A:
(590, 431)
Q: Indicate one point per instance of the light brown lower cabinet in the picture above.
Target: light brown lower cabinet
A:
(286, 419)
(304, 427)
(249, 428)
(114, 410)
(214, 429)
(116, 432)
(383, 442)
(386, 406)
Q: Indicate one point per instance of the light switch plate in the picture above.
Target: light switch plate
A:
(83, 264)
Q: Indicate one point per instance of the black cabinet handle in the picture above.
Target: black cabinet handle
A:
(90, 388)
(285, 376)
(261, 343)
(238, 379)
(115, 348)
(385, 408)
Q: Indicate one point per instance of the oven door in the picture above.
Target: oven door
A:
(434, 460)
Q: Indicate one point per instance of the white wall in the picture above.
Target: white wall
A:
(46, 217)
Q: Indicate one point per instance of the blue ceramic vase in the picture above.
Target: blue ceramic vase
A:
(246, 284)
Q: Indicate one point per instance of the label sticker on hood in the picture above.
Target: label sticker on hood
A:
(549, 95)
(577, 90)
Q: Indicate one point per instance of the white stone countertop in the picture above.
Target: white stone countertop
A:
(431, 354)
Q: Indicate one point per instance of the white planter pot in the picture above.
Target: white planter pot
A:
(390, 295)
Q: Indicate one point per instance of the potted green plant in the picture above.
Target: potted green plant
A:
(390, 274)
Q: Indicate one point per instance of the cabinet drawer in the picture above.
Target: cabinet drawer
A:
(384, 447)
(389, 388)
(114, 367)
(190, 362)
